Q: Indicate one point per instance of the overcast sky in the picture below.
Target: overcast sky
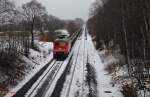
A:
(65, 9)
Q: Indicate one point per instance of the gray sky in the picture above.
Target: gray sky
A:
(65, 9)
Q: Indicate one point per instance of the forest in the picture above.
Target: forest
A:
(125, 25)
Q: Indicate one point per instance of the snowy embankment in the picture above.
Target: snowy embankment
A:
(35, 61)
(118, 71)
(104, 81)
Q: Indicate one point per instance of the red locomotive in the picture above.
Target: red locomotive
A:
(62, 46)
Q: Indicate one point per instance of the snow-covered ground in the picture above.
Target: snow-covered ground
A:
(79, 88)
(36, 61)
(75, 80)
(86, 75)
(105, 88)
(119, 72)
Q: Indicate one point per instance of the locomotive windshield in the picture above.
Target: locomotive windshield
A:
(62, 33)
(62, 36)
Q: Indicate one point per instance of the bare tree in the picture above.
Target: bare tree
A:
(6, 6)
(31, 11)
(6, 11)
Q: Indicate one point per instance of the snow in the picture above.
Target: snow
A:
(77, 71)
(50, 87)
(37, 82)
(45, 46)
(79, 61)
(104, 80)
(50, 90)
(68, 79)
(84, 49)
(36, 60)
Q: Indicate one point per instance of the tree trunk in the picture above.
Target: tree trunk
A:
(32, 38)
(146, 27)
(126, 41)
(144, 44)
(32, 33)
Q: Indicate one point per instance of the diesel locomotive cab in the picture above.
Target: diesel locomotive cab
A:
(61, 48)
(62, 44)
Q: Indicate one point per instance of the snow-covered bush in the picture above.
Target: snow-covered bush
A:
(133, 77)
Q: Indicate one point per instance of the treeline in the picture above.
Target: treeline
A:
(32, 19)
(55, 23)
(125, 24)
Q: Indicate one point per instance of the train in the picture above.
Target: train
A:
(62, 44)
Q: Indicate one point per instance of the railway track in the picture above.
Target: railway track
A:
(56, 92)
(68, 88)
(45, 80)
(28, 85)
(68, 91)
(84, 65)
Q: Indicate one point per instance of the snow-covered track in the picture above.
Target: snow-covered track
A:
(72, 72)
(28, 85)
(45, 81)
(85, 55)
(74, 85)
